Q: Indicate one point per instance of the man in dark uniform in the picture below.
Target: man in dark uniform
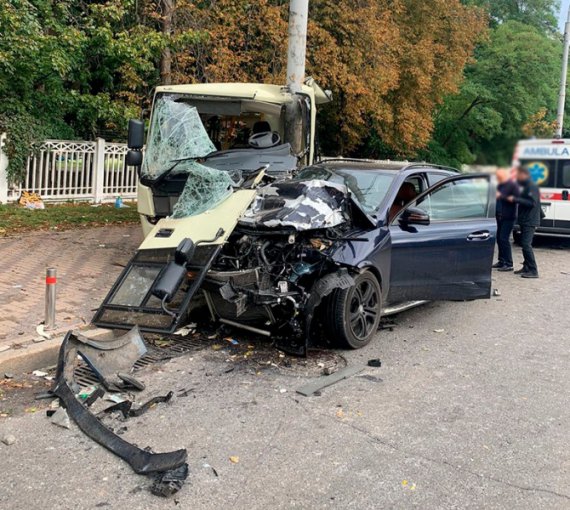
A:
(528, 219)
(506, 216)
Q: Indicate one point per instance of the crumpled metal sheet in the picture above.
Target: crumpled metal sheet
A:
(304, 205)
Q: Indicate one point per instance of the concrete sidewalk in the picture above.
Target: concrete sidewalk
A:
(87, 260)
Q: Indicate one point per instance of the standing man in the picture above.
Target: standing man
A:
(529, 219)
(506, 216)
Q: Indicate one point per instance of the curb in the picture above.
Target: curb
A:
(31, 357)
(34, 356)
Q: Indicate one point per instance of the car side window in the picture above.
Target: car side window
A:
(435, 177)
(457, 200)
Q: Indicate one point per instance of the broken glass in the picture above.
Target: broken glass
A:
(177, 137)
(204, 189)
(176, 132)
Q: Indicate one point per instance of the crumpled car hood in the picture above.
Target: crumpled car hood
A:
(303, 205)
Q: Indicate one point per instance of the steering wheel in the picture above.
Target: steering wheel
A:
(264, 140)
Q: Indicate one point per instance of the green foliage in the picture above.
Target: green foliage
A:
(515, 75)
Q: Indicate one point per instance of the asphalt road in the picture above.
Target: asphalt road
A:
(474, 416)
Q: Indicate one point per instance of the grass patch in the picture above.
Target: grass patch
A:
(15, 219)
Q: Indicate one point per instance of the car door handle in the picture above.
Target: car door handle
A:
(479, 236)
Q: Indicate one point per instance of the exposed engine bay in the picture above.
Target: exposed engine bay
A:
(266, 272)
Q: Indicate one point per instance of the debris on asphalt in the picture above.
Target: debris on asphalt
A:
(39, 373)
(127, 411)
(329, 370)
(4, 348)
(439, 330)
(322, 382)
(110, 358)
(61, 418)
(9, 439)
(40, 329)
(8, 375)
(185, 330)
(97, 394)
(375, 363)
(169, 483)
(170, 468)
(496, 292)
(234, 459)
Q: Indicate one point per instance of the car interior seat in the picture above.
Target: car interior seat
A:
(406, 194)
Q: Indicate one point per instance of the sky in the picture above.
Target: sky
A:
(564, 4)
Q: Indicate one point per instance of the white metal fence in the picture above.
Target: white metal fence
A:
(63, 170)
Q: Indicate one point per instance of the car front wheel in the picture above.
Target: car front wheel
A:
(353, 314)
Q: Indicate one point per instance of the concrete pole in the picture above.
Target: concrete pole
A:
(562, 96)
(298, 18)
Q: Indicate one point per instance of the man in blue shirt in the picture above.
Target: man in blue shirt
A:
(506, 214)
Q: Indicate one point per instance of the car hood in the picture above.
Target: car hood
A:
(302, 205)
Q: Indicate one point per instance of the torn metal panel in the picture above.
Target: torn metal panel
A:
(201, 226)
(303, 205)
(142, 461)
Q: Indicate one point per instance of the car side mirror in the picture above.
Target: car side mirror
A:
(136, 134)
(134, 158)
(415, 216)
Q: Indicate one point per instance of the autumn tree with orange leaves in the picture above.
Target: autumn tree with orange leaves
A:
(388, 63)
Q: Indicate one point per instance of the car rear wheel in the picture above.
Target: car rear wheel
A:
(353, 314)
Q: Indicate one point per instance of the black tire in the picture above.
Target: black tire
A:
(517, 238)
(353, 314)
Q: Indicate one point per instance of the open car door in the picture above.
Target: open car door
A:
(443, 242)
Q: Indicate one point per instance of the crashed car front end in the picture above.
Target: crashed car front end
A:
(279, 265)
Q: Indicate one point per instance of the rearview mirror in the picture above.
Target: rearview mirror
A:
(136, 134)
(415, 216)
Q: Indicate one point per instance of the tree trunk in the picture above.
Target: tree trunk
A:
(166, 57)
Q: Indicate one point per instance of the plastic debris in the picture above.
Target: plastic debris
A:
(438, 330)
(40, 330)
(496, 292)
(39, 373)
(234, 459)
(61, 418)
(374, 363)
(31, 200)
(170, 482)
(9, 439)
(231, 340)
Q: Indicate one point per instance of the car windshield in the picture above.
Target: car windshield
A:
(369, 187)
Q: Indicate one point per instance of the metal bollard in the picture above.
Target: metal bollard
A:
(51, 281)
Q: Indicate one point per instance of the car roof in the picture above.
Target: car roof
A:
(372, 164)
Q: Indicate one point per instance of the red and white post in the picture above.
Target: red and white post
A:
(51, 282)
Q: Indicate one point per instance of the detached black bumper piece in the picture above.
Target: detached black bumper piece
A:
(142, 462)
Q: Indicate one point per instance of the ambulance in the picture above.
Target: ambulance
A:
(549, 164)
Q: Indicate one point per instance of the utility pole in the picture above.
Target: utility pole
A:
(562, 96)
(166, 57)
(298, 19)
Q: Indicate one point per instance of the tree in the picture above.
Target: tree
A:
(516, 74)
(541, 14)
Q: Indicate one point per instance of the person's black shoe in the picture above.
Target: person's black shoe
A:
(530, 275)
(522, 270)
(505, 269)
(498, 265)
